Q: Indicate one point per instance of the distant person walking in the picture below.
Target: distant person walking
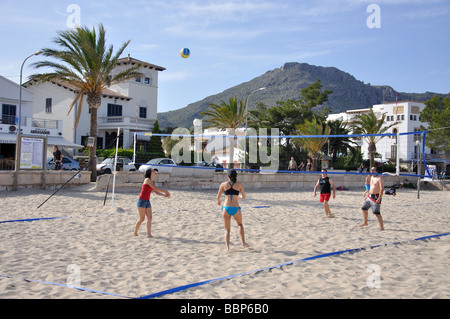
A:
(301, 167)
(292, 165)
(325, 184)
(57, 158)
(308, 164)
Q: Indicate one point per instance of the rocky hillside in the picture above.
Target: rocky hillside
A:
(285, 83)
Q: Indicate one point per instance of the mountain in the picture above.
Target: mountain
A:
(285, 83)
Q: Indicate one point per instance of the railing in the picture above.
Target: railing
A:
(35, 122)
(125, 120)
(45, 123)
(8, 119)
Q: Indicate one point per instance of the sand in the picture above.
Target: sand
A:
(95, 244)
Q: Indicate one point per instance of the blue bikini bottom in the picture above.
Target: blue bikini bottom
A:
(231, 210)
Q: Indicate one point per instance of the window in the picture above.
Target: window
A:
(148, 81)
(142, 112)
(8, 114)
(417, 137)
(48, 105)
(138, 79)
(114, 110)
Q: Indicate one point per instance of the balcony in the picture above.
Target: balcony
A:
(9, 123)
(126, 122)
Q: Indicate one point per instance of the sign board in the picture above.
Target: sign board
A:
(90, 142)
(32, 153)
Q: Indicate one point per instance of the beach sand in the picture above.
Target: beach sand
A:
(95, 243)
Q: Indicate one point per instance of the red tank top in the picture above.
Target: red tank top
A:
(145, 192)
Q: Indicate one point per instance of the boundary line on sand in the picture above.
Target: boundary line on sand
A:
(201, 283)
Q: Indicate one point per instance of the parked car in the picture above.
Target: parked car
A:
(123, 164)
(163, 165)
(218, 167)
(68, 164)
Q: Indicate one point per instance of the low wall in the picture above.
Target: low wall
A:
(41, 179)
(208, 179)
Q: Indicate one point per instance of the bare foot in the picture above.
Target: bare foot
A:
(135, 234)
(149, 236)
(363, 225)
(245, 245)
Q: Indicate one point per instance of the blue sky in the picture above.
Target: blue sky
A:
(234, 41)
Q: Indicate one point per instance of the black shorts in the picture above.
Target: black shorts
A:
(58, 165)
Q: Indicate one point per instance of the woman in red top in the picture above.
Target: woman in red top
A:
(143, 204)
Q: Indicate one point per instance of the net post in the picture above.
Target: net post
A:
(114, 168)
(133, 161)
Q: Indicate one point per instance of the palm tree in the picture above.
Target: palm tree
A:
(339, 144)
(311, 144)
(84, 61)
(370, 124)
(227, 117)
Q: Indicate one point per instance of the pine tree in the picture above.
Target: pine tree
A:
(155, 141)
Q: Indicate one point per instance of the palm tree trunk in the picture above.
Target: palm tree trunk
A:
(92, 151)
(372, 150)
(314, 164)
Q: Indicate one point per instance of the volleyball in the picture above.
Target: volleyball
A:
(185, 53)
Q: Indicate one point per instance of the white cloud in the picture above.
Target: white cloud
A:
(168, 76)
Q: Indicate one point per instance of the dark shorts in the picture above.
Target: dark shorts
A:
(145, 203)
(370, 202)
(58, 165)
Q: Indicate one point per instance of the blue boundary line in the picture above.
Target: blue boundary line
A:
(30, 219)
(67, 286)
(184, 287)
(201, 283)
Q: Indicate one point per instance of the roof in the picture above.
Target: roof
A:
(403, 101)
(132, 61)
(105, 93)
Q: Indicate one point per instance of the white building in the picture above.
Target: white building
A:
(130, 105)
(30, 124)
(406, 115)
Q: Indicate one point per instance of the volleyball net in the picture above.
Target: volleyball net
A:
(400, 154)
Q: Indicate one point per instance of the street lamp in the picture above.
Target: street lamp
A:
(20, 117)
(20, 87)
(246, 123)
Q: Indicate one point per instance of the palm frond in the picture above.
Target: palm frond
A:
(83, 60)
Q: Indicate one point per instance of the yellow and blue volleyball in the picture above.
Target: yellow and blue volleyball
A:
(185, 53)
